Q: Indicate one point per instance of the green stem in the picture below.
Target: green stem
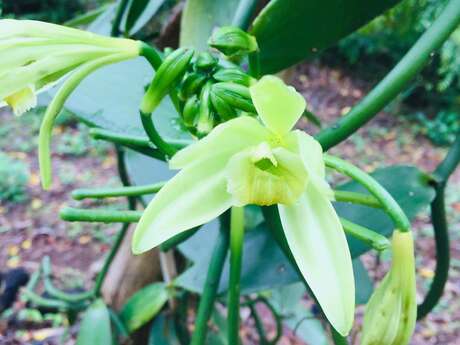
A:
(337, 338)
(57, 293)
(356, 198)
(441, 231)
(101, 193)
(396, 80)
(118, 17)
(132, 141)
(124, 178)
(136, 143)
(99, 216)
(389, 205)
(152, 55)
(108, 261)
(118, 323)
(371, 238)
(46, 127)
(263, 340)
(51, 303)
(211, 286)
(236, 256)
(244, 12)
(155, 137)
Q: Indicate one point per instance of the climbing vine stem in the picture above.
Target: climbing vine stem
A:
(396, 80)
(441, 231)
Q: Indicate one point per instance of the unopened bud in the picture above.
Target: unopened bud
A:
(234, 75)
(235, 95)
(206, 61)
(223, 109)
(232, 41)
(391, 312)
(191, 84)
(171, 70)
(191, 111)
(205, 121)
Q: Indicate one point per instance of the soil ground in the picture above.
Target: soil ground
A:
(32, 229)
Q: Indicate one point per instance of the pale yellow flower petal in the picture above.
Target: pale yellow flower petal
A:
(278, 105)
(319, 246)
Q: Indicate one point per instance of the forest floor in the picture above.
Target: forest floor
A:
(32, 229)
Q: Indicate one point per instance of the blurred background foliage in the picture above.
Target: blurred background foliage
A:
(433, 99)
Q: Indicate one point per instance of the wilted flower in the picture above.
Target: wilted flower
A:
(392, 310)
(244, 161)
(34, 55)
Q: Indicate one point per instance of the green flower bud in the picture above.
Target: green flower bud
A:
(232, 41)
(206, 61)
(391, 312)
(191, 84)
(223, 109)
(234, 75)
(205, 121)
(171, 70)
(167, 51)
(235, 95)
(191, 111)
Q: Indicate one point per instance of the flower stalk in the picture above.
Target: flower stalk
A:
(236, 258)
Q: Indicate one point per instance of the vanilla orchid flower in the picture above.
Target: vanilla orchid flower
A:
(34, 55)
(247, 161)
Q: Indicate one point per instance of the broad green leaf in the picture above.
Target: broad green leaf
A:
(139, 14)
(163, 331)
(110, 99)
(95, 326)
(363, 283)
(289, 31)
(287, 301)
(200, 17)
(408, 185)
(264, 264)
(143, 306)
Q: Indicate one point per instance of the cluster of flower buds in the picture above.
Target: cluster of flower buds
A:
(209, 90)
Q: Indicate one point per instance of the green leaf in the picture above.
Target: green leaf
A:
(287, 301)
(289, 31)
(95, 326)
(408, 185)
(110, 99)
(143, 306)
(363, 283)
(200, 17)
(163, 331)
(264, 264)
(139, 14)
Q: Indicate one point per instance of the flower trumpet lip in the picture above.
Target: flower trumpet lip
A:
(36, 55)
(247, 161)
(391, 312)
